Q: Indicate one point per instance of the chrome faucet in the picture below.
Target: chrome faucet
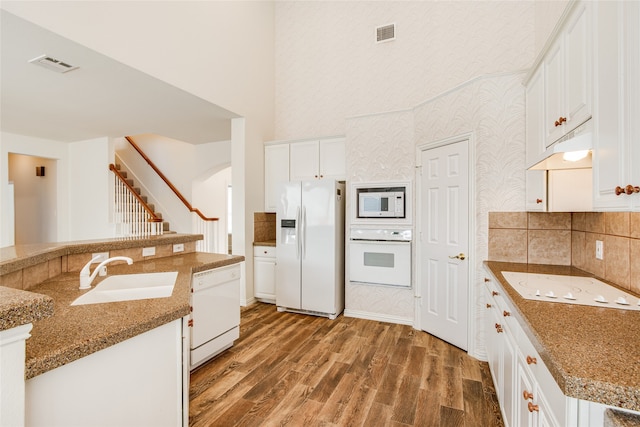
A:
(86, 279)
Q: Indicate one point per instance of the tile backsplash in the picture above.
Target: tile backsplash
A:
(264, 226)
(562, 238)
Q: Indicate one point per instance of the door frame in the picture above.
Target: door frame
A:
(469, 138)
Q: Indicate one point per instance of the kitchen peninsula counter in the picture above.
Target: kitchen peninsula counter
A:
(73, 332)
(593, 353)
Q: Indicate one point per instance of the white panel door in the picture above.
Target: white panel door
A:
(444, 207)
(318, 221)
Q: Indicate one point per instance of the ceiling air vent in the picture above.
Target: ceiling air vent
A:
(52, 64)
(386, 33)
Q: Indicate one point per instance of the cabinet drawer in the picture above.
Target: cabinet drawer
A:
(264, 251)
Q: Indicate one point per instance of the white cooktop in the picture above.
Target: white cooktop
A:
(570, 290)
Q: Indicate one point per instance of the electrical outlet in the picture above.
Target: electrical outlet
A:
(178, 247)
(149, 251)
(103, 256)
(599, 249)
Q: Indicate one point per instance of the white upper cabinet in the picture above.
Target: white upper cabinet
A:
(568, 76)
(301, 161)
(616, 156)
(276, 171)
(536, 185)
(318, 159)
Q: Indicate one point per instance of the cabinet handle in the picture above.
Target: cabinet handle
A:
(560, 121)
(527, 395)
(488, 305)
(494, 293)
(532, 407)
(532, 360)
(499, 328)
(538, 201)
(486, 279)
(628, 190)
(505, 313)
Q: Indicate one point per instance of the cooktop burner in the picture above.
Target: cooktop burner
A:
(570, 290)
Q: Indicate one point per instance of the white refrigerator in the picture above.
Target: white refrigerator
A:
(310, 247)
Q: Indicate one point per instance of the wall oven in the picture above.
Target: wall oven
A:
(380, 256)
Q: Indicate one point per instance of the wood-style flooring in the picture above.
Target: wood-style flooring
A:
(299, 370)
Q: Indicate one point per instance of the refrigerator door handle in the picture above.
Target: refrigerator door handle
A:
(298, 232)
(303, 231)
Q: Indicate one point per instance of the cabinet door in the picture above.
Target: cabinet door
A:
(610, 153)
(554, 92)
(304, 161)
(509, 377)
(632, 95)
(276, 171)
(578, 67)
(264, 277)
(524, 389)
(332, 159)
(536, 186)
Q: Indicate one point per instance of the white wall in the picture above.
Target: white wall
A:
(328, 66)
(210, 195)
(90, 198)
(12, 143)
(35, 199)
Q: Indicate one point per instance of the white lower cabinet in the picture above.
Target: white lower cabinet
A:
(524, 386)
(137, 382)
(264, 273)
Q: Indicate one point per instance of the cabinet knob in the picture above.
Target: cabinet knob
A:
(321, 176)
(527, 395)
(499, 328)
(628, 190)
(488, 305)
(494, 293)
(532, 407)
(532, 360)
(538, 201)
(560, 121)
(505, 313)
(486, 279)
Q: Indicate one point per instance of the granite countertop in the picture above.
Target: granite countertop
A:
(19, 307)
(77, 331)
(14, 258)
(265, 243)
(593, 353)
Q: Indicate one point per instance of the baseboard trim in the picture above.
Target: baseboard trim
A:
(378, 317)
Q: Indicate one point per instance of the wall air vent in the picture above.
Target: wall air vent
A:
(386, 33)
(52, 64)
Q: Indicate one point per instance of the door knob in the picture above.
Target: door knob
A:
(460, 256)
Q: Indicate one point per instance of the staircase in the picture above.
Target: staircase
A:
(124, 174)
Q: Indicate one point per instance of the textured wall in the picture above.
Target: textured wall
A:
(383, 147)
(328, 66)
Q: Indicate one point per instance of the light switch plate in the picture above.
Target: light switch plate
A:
(178, 247)
(599, 249)
(151, 251)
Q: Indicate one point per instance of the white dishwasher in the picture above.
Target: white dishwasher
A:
(215, 317)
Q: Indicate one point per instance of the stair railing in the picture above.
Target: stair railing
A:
(201, 224)
(131, 213)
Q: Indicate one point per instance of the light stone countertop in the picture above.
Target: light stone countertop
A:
(593, 353)
(77, 331)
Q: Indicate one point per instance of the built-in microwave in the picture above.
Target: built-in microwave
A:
(381, 202)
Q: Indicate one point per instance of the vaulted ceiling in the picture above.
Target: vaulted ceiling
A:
(102, 97)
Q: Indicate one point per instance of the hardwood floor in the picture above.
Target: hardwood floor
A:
(294, 369)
